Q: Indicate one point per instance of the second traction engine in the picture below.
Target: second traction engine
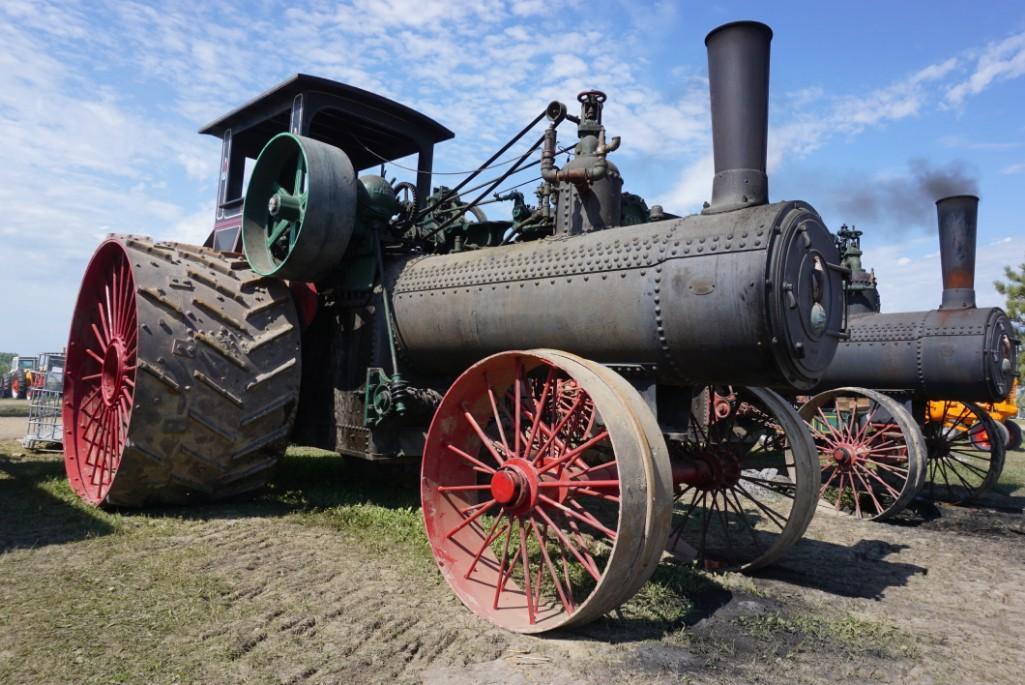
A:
(956, 351)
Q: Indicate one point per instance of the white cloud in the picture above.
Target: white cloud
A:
(1013, 168)
(915, 283)
(564, 66)
(692, 188)
(896, 101)
(998, 61)
(810, 117)
(524, 8)
(193, 228)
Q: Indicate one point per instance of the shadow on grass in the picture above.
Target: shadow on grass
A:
(31, 515)
(309, 480)
(675, 596)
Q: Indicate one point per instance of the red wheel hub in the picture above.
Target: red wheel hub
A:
(514, 486)
(113, 372)
(714, 468)
(507, 487)
(843, 454)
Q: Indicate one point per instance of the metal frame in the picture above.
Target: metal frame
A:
(45, 428)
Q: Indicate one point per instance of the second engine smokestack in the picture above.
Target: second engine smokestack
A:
(957, 222)
(738, 79)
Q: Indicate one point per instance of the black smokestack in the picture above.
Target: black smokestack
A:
(957, 219)
(738, 81)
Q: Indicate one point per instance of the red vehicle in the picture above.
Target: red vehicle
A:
(18, 380)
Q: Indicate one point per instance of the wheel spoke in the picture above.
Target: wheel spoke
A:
(578, 484)
(539, 455)
(473, 517)
(488, 443)
(535, 423)
(575, 452)
(488, 539)
(773, 515)
(526, 574)
(502, 572)
(458, 452)
(563, 596)
(494, 413)
(588, 519)
(590, 568)
(462, 488)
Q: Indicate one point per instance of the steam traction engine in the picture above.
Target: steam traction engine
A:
(549, 371)
(878, 451)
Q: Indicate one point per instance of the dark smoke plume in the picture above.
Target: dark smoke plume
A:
(910, 200)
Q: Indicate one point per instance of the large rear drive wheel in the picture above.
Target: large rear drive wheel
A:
(537, 491)
(871, 452)
(182, 375)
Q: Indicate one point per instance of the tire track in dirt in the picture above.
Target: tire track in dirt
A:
(305, 605)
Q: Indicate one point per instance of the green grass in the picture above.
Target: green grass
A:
(849, 635)
(10, 407)
(777, 635)
(114, 622)
(1012, 478)
(377, 503)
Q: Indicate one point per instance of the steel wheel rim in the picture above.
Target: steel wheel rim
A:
(741, 503)
(1014, 431)
(99, 373)
(480, 523)
(658, 471)
(964, 461)
(871, 454)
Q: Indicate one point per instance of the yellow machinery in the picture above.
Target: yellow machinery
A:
(1003, 412)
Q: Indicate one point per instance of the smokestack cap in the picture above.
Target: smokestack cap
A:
(957, 217)
(744, 23)
(738, 83)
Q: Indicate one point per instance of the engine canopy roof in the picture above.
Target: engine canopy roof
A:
(370, 128)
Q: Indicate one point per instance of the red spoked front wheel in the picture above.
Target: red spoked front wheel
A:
(100, 373)
(535, 490)
(871, 452)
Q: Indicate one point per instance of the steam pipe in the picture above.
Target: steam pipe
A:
(579, 175)
(738, 81)
(957, 216)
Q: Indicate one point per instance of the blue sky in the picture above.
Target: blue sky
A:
(100, 103)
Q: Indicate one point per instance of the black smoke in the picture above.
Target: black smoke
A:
(908, 201)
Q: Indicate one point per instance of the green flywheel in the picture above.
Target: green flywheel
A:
(300, 208)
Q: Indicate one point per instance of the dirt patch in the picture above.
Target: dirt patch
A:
(12, 427)
(327, 580)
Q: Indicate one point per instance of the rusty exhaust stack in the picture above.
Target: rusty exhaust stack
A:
(957, 221)
(738, 81)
